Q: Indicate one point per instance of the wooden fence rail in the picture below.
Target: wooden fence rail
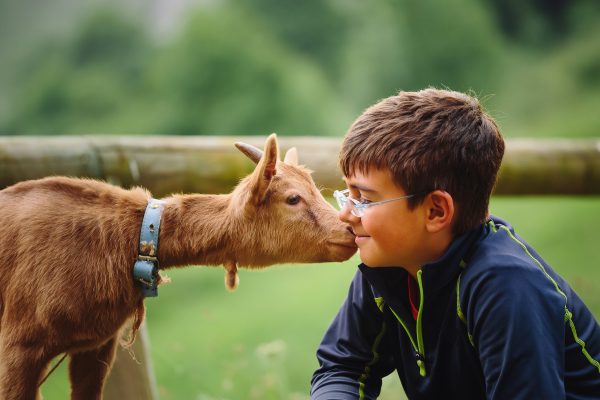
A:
(169, 164)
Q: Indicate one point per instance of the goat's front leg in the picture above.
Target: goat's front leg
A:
(232, 280)
(21, 369)
(88, 371)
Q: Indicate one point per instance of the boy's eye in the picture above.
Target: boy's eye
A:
(362, 200)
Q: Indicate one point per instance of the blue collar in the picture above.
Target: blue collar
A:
(145, 269)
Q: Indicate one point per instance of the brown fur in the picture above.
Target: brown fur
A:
(67, 248)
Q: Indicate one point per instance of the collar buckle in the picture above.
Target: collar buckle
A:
(145, 273)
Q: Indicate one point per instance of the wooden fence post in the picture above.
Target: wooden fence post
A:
(133, 378)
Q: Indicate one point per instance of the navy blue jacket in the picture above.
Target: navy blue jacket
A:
(495, 322)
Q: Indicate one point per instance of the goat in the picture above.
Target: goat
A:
(68, 246)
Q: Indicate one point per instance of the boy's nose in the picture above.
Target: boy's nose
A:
(346, 215)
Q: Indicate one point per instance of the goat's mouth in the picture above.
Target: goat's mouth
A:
(342, 250)
(350, 244)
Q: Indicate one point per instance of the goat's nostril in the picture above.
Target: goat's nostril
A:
(349, 228)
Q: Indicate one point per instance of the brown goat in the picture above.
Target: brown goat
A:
(68, 246)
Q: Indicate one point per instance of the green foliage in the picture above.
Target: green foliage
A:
(557, 98)
(242, 81)
(299, 68)
(413, 44)
(314, 29)
(88, 82)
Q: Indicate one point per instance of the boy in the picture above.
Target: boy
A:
(447, 295)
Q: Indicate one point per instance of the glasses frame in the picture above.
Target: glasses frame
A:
(358, 209)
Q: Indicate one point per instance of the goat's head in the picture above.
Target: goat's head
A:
(289, 218)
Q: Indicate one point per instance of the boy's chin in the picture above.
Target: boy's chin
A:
(370, 262)
(373, 262)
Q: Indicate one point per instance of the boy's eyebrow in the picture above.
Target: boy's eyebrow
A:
(360, 187)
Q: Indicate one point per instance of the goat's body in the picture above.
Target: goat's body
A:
(56, 298)
(67, 250)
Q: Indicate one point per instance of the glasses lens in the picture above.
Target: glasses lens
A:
(357, 212)
(343, 198)
(340, 199)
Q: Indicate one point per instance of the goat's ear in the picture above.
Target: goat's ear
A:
(291, 157)
(265, 170)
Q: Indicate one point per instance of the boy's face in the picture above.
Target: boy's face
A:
(387, 234)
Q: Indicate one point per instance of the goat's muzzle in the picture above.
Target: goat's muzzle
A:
(342, 250)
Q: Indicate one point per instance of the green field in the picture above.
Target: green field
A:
(259, 342)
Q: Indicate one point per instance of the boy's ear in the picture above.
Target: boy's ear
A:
(440, 211)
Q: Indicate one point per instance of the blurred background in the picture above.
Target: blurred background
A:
(218, 67)
(223, 67)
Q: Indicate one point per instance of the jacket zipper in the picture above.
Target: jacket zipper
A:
(418, 347)
(421, 350)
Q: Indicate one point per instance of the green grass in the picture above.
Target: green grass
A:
(259, 342)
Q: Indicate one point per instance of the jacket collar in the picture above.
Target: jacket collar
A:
(446, 269)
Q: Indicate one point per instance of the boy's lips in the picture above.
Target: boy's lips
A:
(360, 238)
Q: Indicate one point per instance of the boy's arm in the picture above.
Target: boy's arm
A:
(352, 355)
(516, 317)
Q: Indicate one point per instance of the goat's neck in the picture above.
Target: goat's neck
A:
(195, 230)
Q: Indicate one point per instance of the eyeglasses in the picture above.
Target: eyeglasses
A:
(358, 209)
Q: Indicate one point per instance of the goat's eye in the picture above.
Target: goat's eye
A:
(293, 199)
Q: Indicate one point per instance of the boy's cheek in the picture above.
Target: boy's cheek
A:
(369, 252)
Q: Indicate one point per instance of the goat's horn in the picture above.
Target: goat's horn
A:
(291, 157)
(252, 152)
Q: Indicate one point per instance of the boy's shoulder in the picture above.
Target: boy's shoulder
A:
(504, 262)
(501, 249)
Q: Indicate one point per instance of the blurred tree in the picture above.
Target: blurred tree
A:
(452, 44)
(413, 44)
(534, 22)
(225, 74)
(85, 85)
(298, 67)
(542, 23)
(228, 74)
(316, 29)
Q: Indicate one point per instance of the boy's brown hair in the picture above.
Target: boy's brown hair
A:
(429, 140)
